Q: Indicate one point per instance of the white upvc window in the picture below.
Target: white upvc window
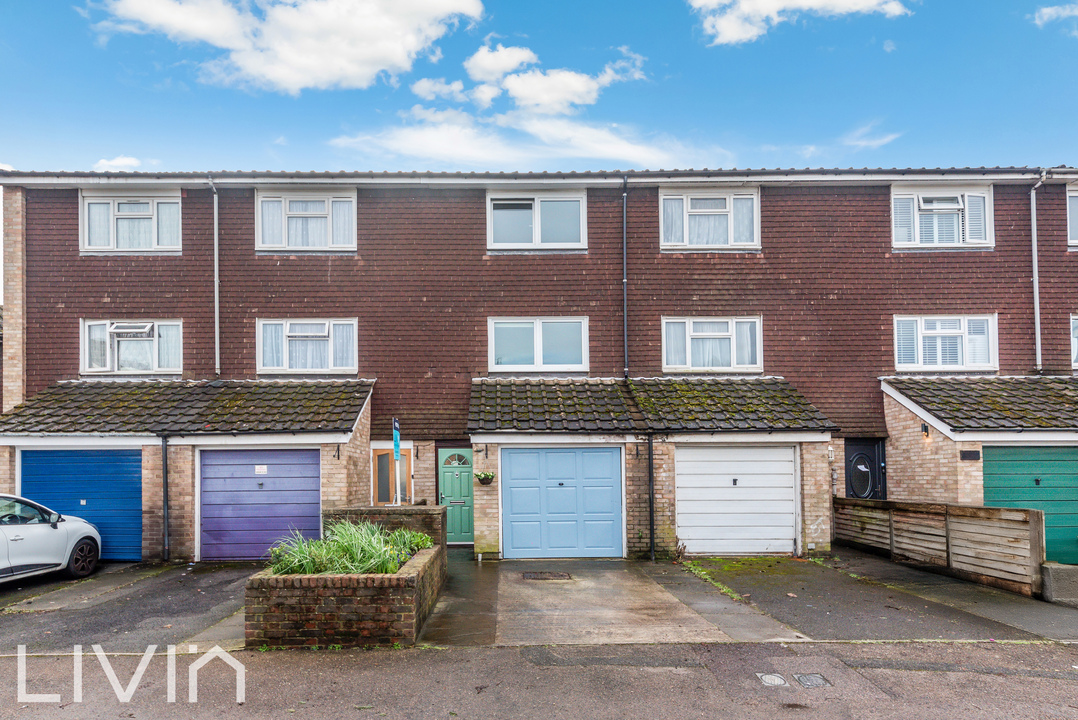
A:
(946, 342)
(706, 220)
(1074, 341)
(129, 223)
(305, 221)
(941, 217)
(1072, 215)
(538, 344)
(537, 221)
(712, 344)
(132, 347)
(307, 346)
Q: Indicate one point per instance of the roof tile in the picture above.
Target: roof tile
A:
(995, 403)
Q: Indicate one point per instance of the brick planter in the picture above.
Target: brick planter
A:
(346, 610)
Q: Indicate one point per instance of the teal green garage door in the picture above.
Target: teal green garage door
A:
(1040, 478)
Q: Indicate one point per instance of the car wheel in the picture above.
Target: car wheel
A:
(83, 560)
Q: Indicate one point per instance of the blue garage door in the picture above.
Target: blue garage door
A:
(102, 486)
(253, 498)
(561, 502)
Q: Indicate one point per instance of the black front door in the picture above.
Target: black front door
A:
(865, 476)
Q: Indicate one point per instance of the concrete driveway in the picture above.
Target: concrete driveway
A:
(126, 608)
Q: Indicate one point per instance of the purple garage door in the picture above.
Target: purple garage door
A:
(252, 498)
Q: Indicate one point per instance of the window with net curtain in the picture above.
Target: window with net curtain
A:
(538, 344)
(944, 342)
(711, 221)
(711, 344)
(307, 345)
(133, 347)
(306, 222)
(131, 224)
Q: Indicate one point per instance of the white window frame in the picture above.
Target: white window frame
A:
(536, 198)
(537, 328)
(758, 367)
(113, 197)
(328, 196)
(113, 328)
(966, 366)
(919, 193)
(729, 194)
(330, 369)
(1074, 341)
(1072, 219)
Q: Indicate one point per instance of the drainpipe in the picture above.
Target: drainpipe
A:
(651, 493)
(1036, 271)
(625, 277)
(164, 492)
(216, 283)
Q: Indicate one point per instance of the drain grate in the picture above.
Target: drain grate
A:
(772, 679)
(546, 575)
(812, 680)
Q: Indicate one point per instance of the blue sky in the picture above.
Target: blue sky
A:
(508, 85)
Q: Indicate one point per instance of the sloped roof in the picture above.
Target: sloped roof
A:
(190, 407)
(640, 405)
(996, 403)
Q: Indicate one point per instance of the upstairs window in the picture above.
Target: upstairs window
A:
(545, 221)
(712, 344)
(130, 223)
(942, 218)
(1074, 341)
(537, 344)
(132, 347)
(307, 346)
(709, 221)
(1072, 216)
(305, 222)
(945, 343)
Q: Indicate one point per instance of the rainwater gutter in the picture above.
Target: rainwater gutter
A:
(1036, 270)
(216, 282)
(625, 278)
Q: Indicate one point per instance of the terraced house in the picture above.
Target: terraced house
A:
(629, 361)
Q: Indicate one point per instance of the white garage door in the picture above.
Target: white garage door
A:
(736, 500)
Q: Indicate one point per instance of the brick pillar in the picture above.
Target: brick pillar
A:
(7, 470)
(485, 502)
(14, 389)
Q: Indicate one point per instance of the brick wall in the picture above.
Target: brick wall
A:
(636, 494)
(15, 310)
(425, 472)
(485, 501)
(423, 518)
(347, 610)
(7, 470)
(815, 498)
(181, 502)
(346, 468)
(921, 469)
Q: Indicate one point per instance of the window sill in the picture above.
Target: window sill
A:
(938, 248)
(292, 374)
(536, 251)
(305, 251)
(747, 372)
(534, 371)
(171, 252)
(946, 371)
(112, 374)
(723, 249)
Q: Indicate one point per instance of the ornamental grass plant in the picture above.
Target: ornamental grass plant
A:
(347, 549)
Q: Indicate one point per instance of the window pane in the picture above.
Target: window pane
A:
(710, 352)
(133, 207)
(950, 350)
(272, 222)
(709, 230)
(675, 344)
(940, 228)
(700, 326)
(945, 324)
(977, 342)
(343, 234)
(514, 343)
(385, 486)
(513, 223)
(134, 355)
(674, 221)
(134, 233)
(746, 343)
(930, 354)
(902, 216)
(273, 345)
(1074, 340)
(1072, 206)
(563, 343)
(306, 206)
(906, 342)
(559, 221)
(169, 348)
(975, 219)
(168, 224)
(97, 224)
(707, 203)
(97, 347)
(744, 221)
(308, 354)
(302, 328)
(306, 232)
(344, 345)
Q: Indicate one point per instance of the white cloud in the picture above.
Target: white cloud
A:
(860, 138)
(889, 46)
(5, 166)
(429, 88)
(490, 66)
(557, 92)
(731, 22)
(292, 45)
(483, 95)
(1052, 13)
(120, 163)
(280, 140)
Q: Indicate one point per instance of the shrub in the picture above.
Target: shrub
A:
(346, 549)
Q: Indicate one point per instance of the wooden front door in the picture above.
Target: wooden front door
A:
(455, 492)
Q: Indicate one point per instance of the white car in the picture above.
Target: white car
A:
(35, 540)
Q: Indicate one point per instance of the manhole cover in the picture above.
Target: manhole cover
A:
(772, 679)
(545, 575)
(812, 680)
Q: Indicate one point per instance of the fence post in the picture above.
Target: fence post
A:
(947, 532)
(891, 527)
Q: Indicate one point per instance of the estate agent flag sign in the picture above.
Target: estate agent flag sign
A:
(397, 459)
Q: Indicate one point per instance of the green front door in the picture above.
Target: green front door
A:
(455, 492)
(1040, 478)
